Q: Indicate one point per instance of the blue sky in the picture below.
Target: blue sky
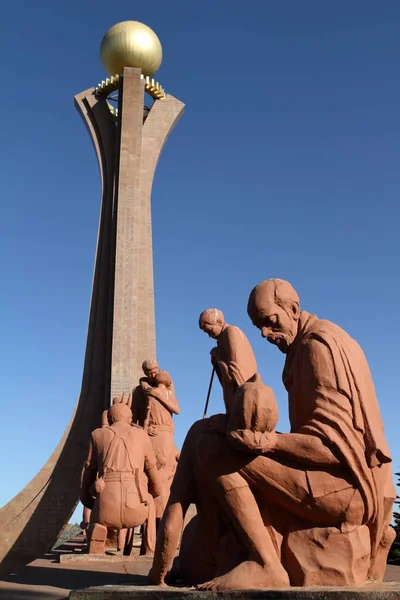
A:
(284, 165)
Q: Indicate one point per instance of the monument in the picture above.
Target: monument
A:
(128, 139)
(311, 507)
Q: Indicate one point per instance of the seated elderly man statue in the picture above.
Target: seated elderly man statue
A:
(119, 475)
(311, 507)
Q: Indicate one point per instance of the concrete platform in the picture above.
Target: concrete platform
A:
(387, 591)
(48, 579)
(90, 558)
(80, 555)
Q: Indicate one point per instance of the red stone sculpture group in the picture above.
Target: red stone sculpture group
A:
(309, 507)
(130, 464)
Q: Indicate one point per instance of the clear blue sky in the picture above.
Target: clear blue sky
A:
(286, 164)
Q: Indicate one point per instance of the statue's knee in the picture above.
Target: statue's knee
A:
(195, 430)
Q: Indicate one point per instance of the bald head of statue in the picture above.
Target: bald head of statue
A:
(119, 412)
(212, 322)
(274, 308)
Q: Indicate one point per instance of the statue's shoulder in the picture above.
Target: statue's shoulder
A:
(325, 332)
(234, 331)
(96, 432)
(136, 426)
(99, 433)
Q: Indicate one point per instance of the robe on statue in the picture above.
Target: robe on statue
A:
(332, 396)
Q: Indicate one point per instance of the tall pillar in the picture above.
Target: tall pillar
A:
(133, 251)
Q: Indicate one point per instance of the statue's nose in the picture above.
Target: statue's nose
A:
(264, 332)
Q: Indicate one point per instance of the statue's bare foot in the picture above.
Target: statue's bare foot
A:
(247, 576)
(162, 584)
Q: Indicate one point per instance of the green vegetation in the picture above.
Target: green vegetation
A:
(394, 554)
(70, 531)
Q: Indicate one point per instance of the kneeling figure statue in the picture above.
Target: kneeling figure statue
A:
(119, 475)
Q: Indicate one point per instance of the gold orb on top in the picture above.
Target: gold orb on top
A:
(131, 44)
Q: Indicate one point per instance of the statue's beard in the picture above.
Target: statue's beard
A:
(282, 340)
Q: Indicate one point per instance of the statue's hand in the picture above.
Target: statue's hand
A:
(152, 431)
(255, 442)
(215, 356)
(104, 418)
(150, 391)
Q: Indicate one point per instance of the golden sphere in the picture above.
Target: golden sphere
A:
(131, 44)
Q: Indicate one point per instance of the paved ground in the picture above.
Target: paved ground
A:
(47, 579)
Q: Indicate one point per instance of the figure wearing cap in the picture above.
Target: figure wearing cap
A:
(120, 473)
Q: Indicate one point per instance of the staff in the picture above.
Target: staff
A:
(209, 392)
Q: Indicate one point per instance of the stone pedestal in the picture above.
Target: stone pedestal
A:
(382, 591)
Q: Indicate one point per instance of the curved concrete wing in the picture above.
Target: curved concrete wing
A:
(31, 522)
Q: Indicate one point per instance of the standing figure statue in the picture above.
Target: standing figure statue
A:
(309, 507)
(153, 406)
(119, 478)
(233, 357)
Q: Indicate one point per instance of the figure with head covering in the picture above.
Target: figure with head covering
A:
(120, 474)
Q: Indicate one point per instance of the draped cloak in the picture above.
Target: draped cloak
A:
(332, 396)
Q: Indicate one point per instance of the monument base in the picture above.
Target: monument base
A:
(102, 558)
(382, 591)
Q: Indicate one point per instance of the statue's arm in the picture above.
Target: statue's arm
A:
(166, 397)
(302, 448)
(89, 476)
(136, 402)
(228, 366)
(104, 418)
